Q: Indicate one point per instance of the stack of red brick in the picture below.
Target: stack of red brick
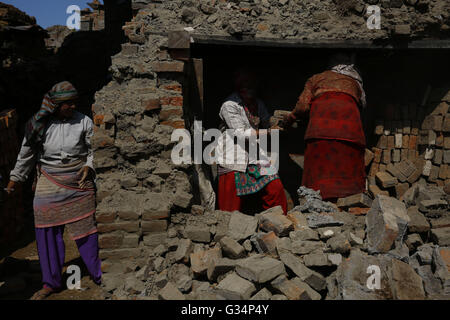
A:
(11, 207)
(416, 148)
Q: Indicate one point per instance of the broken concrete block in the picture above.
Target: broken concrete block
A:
(198, 234)
(399, 252)
(284, 245)
(335, 258)
(265, 242)
(241, 226)
(170, 292)
(284, 286)
(418, 222)
(231, 248)
(339, 244)
(360, 200)
(262, 294)
(158, 264)
(219, 267)
(233, 287)
(315, 280)
(316, 260)
(441, 236)
(433, 204)
(298, 219)
(320, 220)
(314, 295)
(274, 220)
(386, 221)
(303, 234)
(355, 240)
(305, 247)
(295, 264)
(180, 276)
(201, 260)
(385, 180)
(431, 284)
(260, 269)
(406, 284)
(374, 190)
(409, 197)
(184, 249)
(400, 189)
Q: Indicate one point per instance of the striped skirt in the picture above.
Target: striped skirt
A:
(59, 201)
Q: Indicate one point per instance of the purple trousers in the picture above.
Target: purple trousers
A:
(51, 250)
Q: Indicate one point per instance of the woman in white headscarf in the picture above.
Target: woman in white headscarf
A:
(335, 141)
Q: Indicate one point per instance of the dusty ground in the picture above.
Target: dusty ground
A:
(23, 264)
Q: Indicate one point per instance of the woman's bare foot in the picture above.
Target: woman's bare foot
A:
(42, 294)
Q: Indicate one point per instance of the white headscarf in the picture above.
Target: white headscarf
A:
(349, 70)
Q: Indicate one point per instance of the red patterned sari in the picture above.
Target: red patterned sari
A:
(335, 145)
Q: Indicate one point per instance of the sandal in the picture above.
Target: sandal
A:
(42, 294)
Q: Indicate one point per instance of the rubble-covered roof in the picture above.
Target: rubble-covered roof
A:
(287, 19)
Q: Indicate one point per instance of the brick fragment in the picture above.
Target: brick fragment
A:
(233, 287)
(151, 104)
(172, 66)
(357, 200)
(386, 180)
(289, 288)
(274, 220)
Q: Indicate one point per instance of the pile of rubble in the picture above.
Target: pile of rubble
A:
(284, 19)
(318, 251)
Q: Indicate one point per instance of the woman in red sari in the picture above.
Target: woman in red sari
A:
(335, 141)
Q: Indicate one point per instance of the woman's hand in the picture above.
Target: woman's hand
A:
(288, 120)
(276, 127)
(11, 187)
(86, 175)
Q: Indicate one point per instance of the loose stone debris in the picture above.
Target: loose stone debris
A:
(306, 255)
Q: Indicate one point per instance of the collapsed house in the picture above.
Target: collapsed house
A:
(159, 235)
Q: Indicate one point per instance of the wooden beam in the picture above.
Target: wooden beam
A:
(180, 39)
(326, 43)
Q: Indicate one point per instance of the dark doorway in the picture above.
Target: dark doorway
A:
(392, 78)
